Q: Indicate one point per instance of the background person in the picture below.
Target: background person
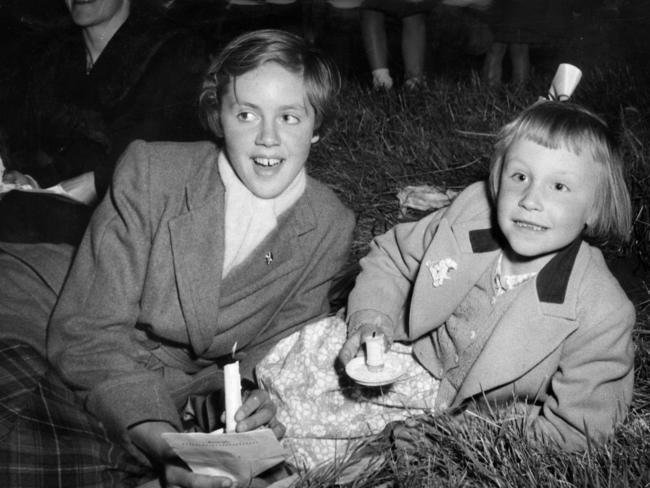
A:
(122, 72)
(516, 25)
(413, 17)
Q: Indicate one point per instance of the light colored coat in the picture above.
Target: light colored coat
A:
(145, 318)
(563, 349)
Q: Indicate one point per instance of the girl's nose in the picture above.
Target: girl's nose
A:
(531, 199)
(268, 134)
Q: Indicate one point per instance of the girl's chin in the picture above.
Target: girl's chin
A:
(266, 191)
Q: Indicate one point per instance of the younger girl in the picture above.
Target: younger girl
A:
(502, 296)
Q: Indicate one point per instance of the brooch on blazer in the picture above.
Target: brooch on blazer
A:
(440, 270)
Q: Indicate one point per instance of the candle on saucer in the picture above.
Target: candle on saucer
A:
(375, 352)
(232, 383)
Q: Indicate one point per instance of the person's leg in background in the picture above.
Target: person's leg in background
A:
(520, 59)
(375, 41)
(493, 63)
(414, 40)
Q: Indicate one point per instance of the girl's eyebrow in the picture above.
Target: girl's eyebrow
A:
(515, 161)
(294, 106)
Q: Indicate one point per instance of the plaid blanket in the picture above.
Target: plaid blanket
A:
(46, 438)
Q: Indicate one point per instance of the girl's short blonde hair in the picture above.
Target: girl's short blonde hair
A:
(252, 49)
(572, 127)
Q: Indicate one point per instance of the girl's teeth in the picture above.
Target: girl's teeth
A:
(530, 226)
(267, 161)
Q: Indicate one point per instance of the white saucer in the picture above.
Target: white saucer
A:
(394, 367)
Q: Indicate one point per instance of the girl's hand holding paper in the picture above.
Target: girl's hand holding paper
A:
(258, 411)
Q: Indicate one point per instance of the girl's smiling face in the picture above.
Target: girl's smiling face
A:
(268, 128)
(544, 201)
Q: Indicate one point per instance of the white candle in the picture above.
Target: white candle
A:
(375, 352)
(232, 382)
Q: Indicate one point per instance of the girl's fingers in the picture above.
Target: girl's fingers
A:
(350, 349)
(257, 411)
(257, 400)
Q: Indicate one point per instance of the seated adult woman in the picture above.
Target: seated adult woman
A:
(122, 72)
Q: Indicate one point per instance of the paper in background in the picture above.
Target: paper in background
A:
(238, 456)
(5, 187)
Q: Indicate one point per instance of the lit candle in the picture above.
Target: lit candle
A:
(232, 383)
(375, 352)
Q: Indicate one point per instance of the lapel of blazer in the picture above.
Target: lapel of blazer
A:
(536, 324)
(197, 251)
(284, 248)
(472, 245)
(198, 247)
(290, 258)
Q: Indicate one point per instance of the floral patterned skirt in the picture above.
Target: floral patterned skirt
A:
(325, 411)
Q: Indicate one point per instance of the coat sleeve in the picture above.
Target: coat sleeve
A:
(389, 270)
(90, 336)
(592, 388)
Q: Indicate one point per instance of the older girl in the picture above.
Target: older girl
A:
(198, 252)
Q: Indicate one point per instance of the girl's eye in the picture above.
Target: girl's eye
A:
(290, 119)
(246, 116)
(519, 177)
(560, 187)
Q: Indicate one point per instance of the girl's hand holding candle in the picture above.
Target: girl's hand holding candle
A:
(380, 366)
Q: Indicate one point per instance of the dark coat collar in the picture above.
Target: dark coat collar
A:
(552, 280)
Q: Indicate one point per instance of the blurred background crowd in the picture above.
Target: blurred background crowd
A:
(80, 79)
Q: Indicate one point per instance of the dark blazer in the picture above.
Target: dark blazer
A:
(145, 318)
(563, 349)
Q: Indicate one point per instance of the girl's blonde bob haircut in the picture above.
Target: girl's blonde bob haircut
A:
(571, 127)
(252, 49)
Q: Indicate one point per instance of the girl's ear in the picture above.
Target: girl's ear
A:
(315, 138)
(589, 223)
(592, 218)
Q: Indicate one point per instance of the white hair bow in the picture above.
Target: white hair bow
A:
(564, 82)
